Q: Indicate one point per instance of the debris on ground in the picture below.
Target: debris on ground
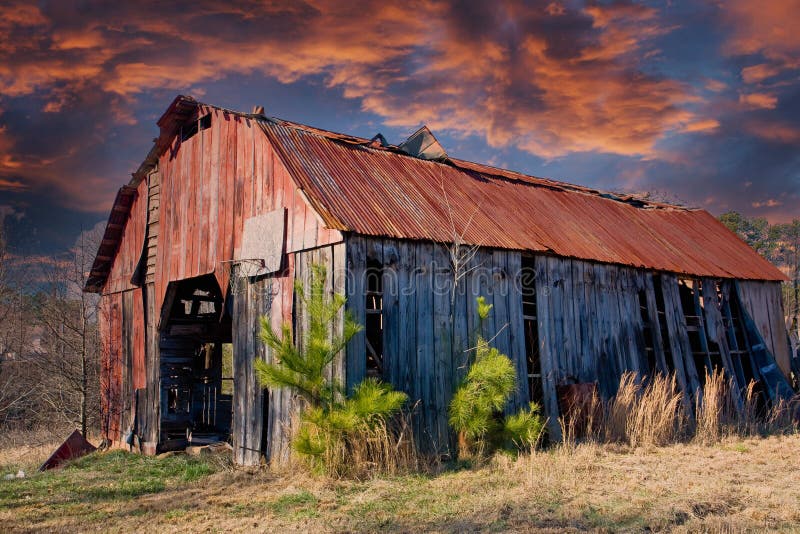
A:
(74, 446)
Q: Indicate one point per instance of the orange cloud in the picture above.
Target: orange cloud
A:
(774, 131)
(715, 86)
(12, 185)
(550, 90)
(758, 100)
(760, 72)
(769, 203)
(768, 29)
(701, 125)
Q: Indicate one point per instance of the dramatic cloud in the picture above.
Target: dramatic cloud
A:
(775, 131)
(82, 83)
(764, 28)
(549, 79)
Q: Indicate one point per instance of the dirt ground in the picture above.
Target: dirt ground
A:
(739, 485)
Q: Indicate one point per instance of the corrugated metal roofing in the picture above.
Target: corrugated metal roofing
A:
(378, 191)
(381, 192)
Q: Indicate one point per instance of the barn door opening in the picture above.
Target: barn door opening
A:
(196, 365)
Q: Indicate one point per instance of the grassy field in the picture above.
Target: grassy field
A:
(734, 486)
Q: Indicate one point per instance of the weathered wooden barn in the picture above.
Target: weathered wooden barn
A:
(229, 209)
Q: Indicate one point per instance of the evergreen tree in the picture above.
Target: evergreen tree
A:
(476, 410)
(301, 367)
(332, 424)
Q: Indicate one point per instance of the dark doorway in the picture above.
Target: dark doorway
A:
(374, 320)
(196, 365)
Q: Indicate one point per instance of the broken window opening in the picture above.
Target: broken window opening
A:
(197, 305)
(191, 129)
(701, 346)
(179, 400)
(531, 326)
(739, 345)
(227, 369)
(647, 332)
(374, 319)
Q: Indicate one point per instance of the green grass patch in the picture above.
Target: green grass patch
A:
(295, 505)
(100, 478)
(175, 513)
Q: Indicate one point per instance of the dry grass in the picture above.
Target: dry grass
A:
(732, 486)
(653, 412)
(649, 415)
(384, 448)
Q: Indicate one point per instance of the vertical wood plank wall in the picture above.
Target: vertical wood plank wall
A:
(131, 245)
(248, 417)
(263, 425)
(123, 359)
(429, 329)
(590, 324)
(150, 414)
(110, 365)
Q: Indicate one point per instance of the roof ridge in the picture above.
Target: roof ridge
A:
(354, 140)
(499, 172)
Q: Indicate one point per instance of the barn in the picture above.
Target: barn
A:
(228, 210)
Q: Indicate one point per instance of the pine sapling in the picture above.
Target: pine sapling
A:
(333, 425)
(476, 410)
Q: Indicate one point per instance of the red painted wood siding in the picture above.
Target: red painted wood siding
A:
(121, 312)
(138, 344)
(130, 248)
(210, 184)
(110, 324)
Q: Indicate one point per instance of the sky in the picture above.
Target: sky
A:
(695, 102)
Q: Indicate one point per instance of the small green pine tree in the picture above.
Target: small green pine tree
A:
(478, 403)
(330, 421)
(302, 367)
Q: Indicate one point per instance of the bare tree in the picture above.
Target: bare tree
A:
(68, 357)
(15, 394)
(461, 254)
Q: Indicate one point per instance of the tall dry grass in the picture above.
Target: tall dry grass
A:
(719, 410)
(723, 411)
(386, 447)
(652, 411)
(658, 416)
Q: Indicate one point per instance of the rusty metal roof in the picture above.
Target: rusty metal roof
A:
(361, 187)
(381, 192)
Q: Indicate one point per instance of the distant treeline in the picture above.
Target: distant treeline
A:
(780, 244)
